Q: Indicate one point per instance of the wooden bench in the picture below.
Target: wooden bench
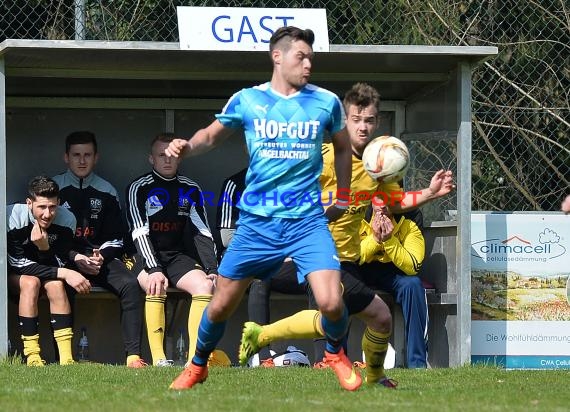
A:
(439, 269)
(178, 302)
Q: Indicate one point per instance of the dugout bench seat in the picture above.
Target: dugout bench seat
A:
(93, 310)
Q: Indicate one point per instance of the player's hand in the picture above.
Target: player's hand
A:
(39, 237)
(176, 148)
(85, 265)
(74, 279)
(334, 213)
(213, 277)
(96, 258)
(565, 206)
(382, 227)
(157, 284)
(441, 184)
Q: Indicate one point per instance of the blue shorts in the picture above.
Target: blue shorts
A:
(261, 244)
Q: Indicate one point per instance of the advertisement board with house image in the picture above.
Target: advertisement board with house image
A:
(519, 280)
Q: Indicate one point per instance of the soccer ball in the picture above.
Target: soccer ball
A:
(386, 159)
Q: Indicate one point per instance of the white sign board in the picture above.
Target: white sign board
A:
(520, 315)
(245, 29)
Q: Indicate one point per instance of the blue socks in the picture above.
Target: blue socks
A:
(335, 332)
(209, 334)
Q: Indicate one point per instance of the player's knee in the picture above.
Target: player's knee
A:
(381, 318)
(332, 308)
(30, 284)
(218, 312)
(55, 289)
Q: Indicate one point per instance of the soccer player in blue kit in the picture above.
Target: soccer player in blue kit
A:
(281, 216)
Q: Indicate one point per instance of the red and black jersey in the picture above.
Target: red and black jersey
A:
(169, 215)
(24, 257)
(95, 204)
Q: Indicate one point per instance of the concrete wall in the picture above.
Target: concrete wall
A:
(36, 144)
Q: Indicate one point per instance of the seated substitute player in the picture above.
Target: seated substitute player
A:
(392, 250)
(285, 281)
(98, 242)
(174, 244)
(39, 239)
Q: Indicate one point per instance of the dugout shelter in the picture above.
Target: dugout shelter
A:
(127, 92)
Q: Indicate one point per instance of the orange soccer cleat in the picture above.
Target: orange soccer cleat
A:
(348, 378)
(189, 377)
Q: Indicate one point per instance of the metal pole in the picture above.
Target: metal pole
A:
(3, 248)
(79, 19)
(463, 251)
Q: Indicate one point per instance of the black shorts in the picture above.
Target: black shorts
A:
(356, 295)
(175, 264)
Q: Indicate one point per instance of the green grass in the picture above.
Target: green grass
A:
(104, 388)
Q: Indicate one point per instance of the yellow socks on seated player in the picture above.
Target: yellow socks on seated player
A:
(155, 325)
(302, 325)
(32, 350)
(375, 346)
(199, 303)
(63, 339)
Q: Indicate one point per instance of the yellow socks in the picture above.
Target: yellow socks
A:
(375, 346)
(32, 350)
(302, 325)
(63, 339)
(199, 303)
(155, 325)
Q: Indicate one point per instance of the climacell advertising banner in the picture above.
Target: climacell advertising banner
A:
(520, 264)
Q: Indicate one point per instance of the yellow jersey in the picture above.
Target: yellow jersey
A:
(345, 230)
(405, 248)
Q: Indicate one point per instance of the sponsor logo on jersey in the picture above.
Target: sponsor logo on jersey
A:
(183, 206)
(96, 205)
(272, 129)
(167, 226)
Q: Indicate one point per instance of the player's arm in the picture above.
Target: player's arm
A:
(203, 141)
(441, 185)
(112, 230)
(139, 228)
(227, 211)
(343, 171)
(406, 251)
(203, 239)
(22, 265)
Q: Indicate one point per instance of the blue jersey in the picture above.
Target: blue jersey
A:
(284, 136)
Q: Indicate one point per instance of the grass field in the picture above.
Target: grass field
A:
(104, 388)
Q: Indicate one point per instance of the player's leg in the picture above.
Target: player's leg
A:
(155, 320)
(116, 278)
(196, 283)
(28, 290)
(61, 320)
(258, 313)
(225, 301)
(411, 296)
(305, 324)
(409, 293)
(314, 253)
(253, 251)
(284, 281)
